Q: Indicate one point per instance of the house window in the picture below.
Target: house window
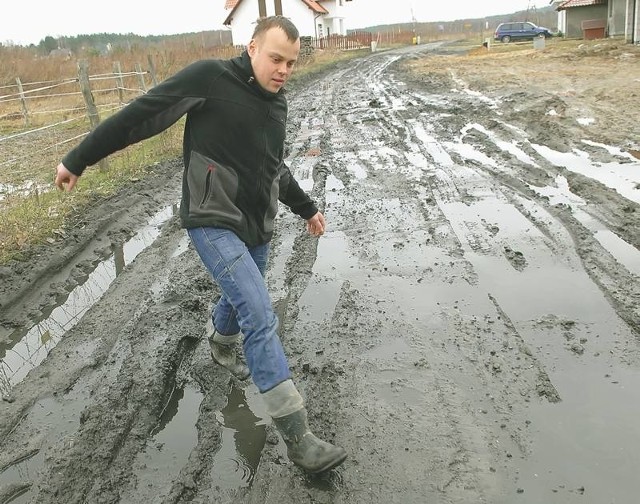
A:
(320, 30)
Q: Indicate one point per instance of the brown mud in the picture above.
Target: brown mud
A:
(468, 328)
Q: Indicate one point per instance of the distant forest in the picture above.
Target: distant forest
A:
(101, 43)
(107, 42)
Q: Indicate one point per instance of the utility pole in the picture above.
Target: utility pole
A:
(534, 13)
(414, 21)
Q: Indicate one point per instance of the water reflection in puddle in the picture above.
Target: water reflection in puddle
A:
(243, 438)
(510, 147)
(622, 177)
(320, 298)
(172, 441)
(585, 447)
(23, 189)
(468, 151)
(333, 186)
(625, 253)
(431, 144)
(169, 448)
(29, 348)
(304, 173)
(182, 247)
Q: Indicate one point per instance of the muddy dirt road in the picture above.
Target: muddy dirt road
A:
(468, 328)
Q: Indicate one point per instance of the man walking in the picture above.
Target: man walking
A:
(234, 175)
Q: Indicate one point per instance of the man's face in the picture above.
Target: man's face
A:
(273, 56)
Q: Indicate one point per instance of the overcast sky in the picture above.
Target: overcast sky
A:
(31, 21)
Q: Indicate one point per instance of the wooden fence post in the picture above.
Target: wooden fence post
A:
(143, 86)
(25, 111)
(117, 70)
(83, 79)
(152, 69)
(92, 110)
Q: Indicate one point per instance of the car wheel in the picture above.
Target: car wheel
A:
(542, 35)
(506, 39)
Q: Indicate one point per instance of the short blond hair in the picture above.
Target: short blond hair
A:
(266, 23)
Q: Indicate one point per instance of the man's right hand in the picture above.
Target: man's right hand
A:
(65, 180)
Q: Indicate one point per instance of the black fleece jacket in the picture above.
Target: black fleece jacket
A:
(233, 146)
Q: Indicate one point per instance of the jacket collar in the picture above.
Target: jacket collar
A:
(245, 70)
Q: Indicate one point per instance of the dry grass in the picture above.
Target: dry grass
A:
(40, 213)
(33, 212)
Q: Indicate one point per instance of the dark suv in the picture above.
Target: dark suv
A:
(506, 32)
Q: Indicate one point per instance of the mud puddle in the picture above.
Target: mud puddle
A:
(30, 349)
(466, 328)
(580, 447)
(50, 419)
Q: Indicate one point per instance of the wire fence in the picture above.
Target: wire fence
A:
(37, 118)
(41, 120)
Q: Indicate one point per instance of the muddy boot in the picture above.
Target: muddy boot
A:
(304, 449)
(223, 351)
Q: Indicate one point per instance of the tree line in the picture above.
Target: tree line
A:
(123, 41)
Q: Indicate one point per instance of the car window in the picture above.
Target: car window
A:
(528, 26)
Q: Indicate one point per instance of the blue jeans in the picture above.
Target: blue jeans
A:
(245, 304)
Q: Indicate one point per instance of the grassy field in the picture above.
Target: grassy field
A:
(32, 211)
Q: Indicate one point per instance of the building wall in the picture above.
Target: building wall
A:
(562, 22)
(333, 23)
(242, 23)
(617, 17)
(632, 28)
(576, 15)
(302, 16)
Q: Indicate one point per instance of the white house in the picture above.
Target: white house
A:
(562, 15)
(632, 27)
(313, 18)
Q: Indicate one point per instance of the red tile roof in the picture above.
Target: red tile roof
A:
(230, 4)
(579, 3)
(316, 7)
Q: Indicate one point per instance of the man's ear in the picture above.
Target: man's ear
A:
(251, 48)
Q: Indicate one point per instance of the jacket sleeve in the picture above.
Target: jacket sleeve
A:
(144, 117)
(293, 196)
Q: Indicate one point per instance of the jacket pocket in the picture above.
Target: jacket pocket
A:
(213, 189)
(272, 209)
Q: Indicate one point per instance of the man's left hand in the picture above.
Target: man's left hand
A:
(316, 224)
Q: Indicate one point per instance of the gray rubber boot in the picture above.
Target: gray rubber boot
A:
(223, 352)
(304, 449)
